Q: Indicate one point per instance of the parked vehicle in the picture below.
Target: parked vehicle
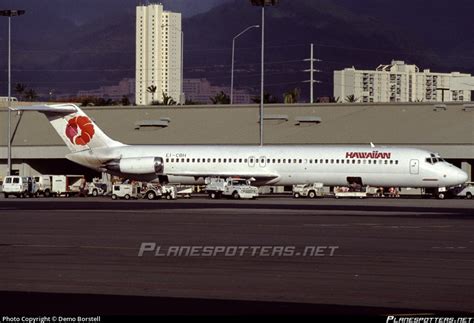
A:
(125, 191)
(231, 188)
(68, 185)
(44, 184)
(308, 190)
(464, 191)
(153, 191)
(19, 186)
(96, 188)
(345, 191)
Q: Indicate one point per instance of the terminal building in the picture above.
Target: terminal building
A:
(444, 128)
(400, 82)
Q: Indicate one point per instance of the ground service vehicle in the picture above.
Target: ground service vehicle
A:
(350, 192)
(235, 188)
(465, 191)
(44, 184)
(308, 190)
(154, 191)
(68, 185)
(125, 191)
(19, 186)
(96, 188)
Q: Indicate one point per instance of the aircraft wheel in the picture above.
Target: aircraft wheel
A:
(469, 195)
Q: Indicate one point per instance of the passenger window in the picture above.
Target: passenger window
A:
(386, 162)
(240, 160)
(225, 160)
(16, 180)
(294, 161)
(301, 161)
(396, 162)
(358, 161)
(332, 161)
(187, 160)
(172, 160)
(273, 161)
(245, 160)
(268, 161)
(279, 161)
(9, 180)
(391, 162)
(337, 161)
(219, 160)
(310, 161)
(167, 160)
(213, 160)
(342, 161)
(182, 160)
(327, 161)
(289, 161)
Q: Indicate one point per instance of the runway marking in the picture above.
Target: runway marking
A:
(460, 247)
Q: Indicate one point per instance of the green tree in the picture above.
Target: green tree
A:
(152, 89)
(20, 90)
(351, 98)
(125, 101)
(220, 98)
(267, 98)
(291, 96)
(31, 95)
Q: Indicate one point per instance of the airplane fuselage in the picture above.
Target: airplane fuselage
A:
(285, 164)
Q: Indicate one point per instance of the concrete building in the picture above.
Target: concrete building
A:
(399, 82)
(448, 130)
(201, 90)
(126, 87)
(158, 54)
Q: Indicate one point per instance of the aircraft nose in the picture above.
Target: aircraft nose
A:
(459, 177)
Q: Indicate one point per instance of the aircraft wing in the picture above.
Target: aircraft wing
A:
(256, 176)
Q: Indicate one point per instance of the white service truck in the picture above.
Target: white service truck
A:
(19, 186)
(68, 185)
(153, 191)
(44, 184)
(235, 188)
(125, 191)
(308, 190)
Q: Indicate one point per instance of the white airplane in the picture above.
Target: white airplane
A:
(267, 165)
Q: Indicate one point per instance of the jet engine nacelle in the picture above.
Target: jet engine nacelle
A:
(137, 166)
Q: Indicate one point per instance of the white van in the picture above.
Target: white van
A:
(68, 185)
(44, 185)
(19, 186)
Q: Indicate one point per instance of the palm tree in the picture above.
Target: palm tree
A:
(152, 89)
(31, 95)
(333, 99)
(20, 90)
(351, 98)
(291, 96)
(220, 98)
(267, 98)
(168, 100)
(125, 100)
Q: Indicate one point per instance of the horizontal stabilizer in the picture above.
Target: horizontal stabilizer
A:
(58, 108)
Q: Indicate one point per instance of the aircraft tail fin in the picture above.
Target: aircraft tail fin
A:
(75, 128)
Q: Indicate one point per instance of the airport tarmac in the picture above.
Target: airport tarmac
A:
(388, 255)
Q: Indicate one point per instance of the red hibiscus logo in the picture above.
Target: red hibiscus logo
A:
(80, 130)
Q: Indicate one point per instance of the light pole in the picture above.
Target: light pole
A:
(10, 14)
(181, 95)
(233, 55)
(262, 3)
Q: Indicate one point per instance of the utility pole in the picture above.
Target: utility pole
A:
(312, 71)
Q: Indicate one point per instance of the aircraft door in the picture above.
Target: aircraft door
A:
(158, 165)
(414, 166)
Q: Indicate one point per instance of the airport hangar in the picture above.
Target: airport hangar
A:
(446, 128)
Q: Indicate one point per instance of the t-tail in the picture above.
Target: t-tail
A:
(75, 128)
